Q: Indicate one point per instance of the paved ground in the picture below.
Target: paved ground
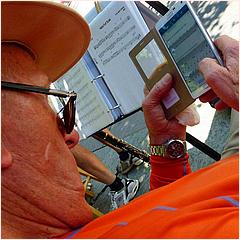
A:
(219, 18)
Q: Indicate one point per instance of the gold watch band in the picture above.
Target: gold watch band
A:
(158, 150)
(169, 149)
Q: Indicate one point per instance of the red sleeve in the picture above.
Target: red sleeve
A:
(167, 170)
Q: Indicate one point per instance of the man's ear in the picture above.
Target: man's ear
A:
(71, 139)
(6, 157)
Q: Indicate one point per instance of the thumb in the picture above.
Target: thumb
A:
(160, 89)
(220, 80)
(214, 74)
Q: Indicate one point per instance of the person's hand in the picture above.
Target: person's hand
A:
(160, 129)
(224, 81)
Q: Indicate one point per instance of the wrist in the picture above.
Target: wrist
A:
(160, 139)
(160, 159)
(173, 148)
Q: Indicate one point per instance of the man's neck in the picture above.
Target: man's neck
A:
(25, 220)
(22, 218)
(14, 226)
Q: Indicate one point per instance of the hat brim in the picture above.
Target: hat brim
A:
(57, 35)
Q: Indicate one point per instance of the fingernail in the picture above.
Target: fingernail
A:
(166, 78)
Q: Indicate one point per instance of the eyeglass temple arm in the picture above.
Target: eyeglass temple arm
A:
(37, 89)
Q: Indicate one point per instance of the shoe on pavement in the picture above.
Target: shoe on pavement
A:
(126, 194)
(127, 162)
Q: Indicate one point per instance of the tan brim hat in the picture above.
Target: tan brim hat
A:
(57, 35)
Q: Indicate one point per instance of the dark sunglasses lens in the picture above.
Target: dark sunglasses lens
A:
(69, 115)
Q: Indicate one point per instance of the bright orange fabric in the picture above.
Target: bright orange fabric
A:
(203, 204)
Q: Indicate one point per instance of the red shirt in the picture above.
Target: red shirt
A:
(203, 204)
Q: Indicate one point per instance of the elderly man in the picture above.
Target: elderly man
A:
(42, 196)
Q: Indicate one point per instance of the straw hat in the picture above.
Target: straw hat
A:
(56, 35)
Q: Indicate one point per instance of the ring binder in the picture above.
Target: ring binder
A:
(109, 87)
(111, 109)
(97, 77)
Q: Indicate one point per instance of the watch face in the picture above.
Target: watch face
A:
(175, 149)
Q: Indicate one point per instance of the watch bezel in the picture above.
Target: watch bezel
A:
(178, 153)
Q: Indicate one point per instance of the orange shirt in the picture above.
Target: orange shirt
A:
(203, 204)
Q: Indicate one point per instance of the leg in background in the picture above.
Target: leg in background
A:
(232, 144)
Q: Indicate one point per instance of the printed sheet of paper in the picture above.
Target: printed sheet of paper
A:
(115, 31)
(92, 112)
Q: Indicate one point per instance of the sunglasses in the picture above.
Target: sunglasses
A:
(68, 109)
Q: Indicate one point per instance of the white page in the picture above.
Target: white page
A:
(92, 113)
(115, 31)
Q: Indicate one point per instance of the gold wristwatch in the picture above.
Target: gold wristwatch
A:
(173, 148)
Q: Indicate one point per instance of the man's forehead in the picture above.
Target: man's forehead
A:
(18, 65)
